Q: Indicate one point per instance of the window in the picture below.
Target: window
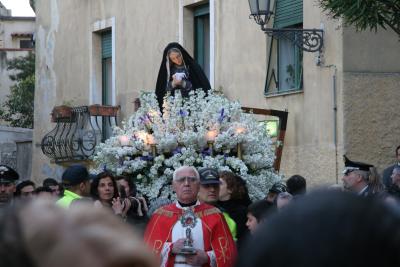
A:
(106, 65)
(202, 37)
(285, 60)
(25, 44)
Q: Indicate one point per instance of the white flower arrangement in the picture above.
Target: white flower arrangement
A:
(200, 131)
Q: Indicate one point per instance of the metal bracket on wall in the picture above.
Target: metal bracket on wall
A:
(310, 40)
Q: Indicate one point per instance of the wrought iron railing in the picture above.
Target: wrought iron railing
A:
(78, 130)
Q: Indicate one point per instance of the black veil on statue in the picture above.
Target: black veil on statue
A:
(196, 73)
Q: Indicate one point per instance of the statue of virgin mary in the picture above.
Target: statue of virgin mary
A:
(179, 71)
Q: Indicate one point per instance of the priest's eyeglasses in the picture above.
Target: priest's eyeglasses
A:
(189, 179)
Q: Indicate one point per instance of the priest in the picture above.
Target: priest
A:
(187, 232)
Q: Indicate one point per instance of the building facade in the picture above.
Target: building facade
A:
(16, 35)
(340, 100)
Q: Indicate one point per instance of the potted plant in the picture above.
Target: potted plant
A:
(61, 112)
(103, 110)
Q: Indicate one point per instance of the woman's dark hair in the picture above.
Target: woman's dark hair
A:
(237, 186)
(50, 182)
(43, 189)
(260, 209)
(21, 185)
(95, 184)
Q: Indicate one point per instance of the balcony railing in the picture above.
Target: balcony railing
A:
(77, 131)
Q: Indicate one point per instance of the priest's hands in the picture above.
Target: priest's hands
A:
(177, 245)
(198, 259)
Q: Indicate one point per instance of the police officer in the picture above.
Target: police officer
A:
(209, 193)
(8, 178)
(357, 177)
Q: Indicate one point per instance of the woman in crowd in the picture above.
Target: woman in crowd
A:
(179, 71)
(234, 199)
(104, 191)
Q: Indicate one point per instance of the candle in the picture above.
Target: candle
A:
(124, 140)
(150, 139)
(141, 135)
(153, 150)
(239, 150)
(210, 135)
(240, 130)
(152, 113)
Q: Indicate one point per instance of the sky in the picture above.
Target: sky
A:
(19, 8)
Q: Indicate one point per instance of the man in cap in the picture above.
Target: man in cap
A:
(209, 193)
(8, 177)
(187, 232)
(356, 177)
(76, 181)
(274, 191)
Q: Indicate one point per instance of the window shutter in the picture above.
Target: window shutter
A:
(106, 45)
(288, 13)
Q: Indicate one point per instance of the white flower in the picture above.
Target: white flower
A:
(180, 133)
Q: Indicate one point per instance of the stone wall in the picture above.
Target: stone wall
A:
(16, 149)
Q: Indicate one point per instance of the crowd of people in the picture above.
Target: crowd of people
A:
(101, 220)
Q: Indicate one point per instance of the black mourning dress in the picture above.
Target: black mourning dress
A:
(195, 76)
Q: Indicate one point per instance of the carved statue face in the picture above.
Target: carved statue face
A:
(175, 57)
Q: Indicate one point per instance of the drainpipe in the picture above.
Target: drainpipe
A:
(335, 123)
(335, 142)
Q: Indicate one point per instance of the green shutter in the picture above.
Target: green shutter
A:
(106, 45)
(200, 14)
(288, 13)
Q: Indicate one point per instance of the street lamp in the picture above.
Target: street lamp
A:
(310, 40)
(260, 10)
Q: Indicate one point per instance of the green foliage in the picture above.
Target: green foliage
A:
(17, 109)
(365, 14)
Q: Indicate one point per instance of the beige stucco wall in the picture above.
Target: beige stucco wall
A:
(68, 70)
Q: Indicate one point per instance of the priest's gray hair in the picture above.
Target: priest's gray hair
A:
(185, 168)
